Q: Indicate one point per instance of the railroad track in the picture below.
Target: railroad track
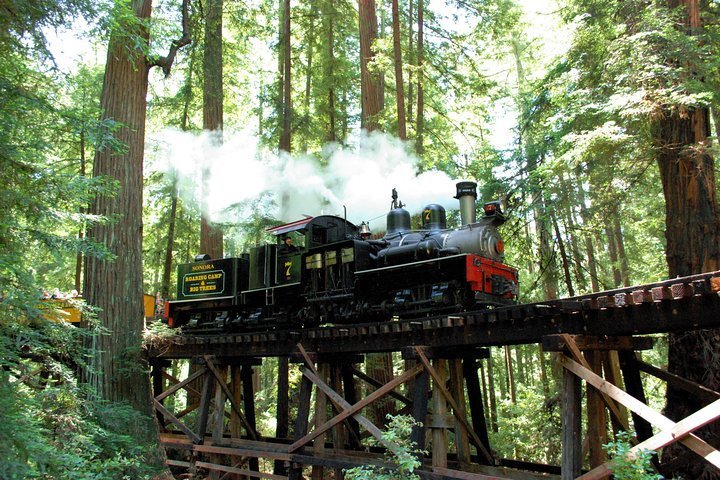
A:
(682, 303)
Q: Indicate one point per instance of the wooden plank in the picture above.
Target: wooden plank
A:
(371, 381)
(608, 401)
(182, 384)
(680, 382)
(693, 442)
(204, 409)
(556, 343)
(680, 430)
(453, 404)
(340, 403)
(177, 463)
(242, 452)
(448, 473)
(355, 408)
(167, 414)
(239, 471)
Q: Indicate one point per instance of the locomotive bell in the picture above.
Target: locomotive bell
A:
(467, 194)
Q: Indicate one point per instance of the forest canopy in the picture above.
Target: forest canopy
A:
(583, 117)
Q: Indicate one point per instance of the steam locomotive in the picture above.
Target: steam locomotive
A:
(339, 274)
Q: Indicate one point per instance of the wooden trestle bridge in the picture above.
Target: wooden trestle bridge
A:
(595, 338)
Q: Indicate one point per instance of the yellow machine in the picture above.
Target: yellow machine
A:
(65, 309)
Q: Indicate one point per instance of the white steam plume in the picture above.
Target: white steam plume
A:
(360, 179)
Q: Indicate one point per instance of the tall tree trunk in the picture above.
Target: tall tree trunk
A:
(330, 68)
(399, 86)
(411, 92)
(309, 46)
(693, 245)
(420, 123)
(563, 255)
(371, 84)
(172, 223)
(589, 247)
(167, 264)
(612, 251)
(211, 238)
(116, 286)
(510, 378)
(81, 230)
(285, 130)
(620, 246)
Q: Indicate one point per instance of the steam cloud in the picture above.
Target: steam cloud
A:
(359, 179)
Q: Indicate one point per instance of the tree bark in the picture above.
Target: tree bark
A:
(211, 237)
(330, 69)
(399, 86)
(116, 286)
(411, 93)
(693, 245)
(371, 84)
(286, 111)
(420, 122)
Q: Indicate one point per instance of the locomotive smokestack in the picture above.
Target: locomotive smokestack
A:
(467, 194)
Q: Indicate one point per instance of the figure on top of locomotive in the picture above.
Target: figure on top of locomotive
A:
(338, 274)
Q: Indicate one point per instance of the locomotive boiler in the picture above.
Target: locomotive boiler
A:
(337, 273)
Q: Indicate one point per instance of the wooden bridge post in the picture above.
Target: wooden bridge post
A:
(248, 395)
(320, 418)
(458, 392)
(218, 418)
(475, 401)
(301, 422)
(350, 389)
(571, 426)
(283, 413)
(634, 386)
(420, 410)
(438, 423)
(596, 414)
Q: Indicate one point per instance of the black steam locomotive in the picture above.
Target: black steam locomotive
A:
(337, 273)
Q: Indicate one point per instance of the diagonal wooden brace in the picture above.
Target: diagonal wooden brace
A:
(691, 441)
(228, 394)
(354, 408)
(680, 430)
(340, 403)
(612, 406)
(182, 384)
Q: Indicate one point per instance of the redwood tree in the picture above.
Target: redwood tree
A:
(211, 237)
(399, 86)
(371, 84)
(116, 286)
(682, 137)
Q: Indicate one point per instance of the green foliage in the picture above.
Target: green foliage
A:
(525, 426)
(48, 426)
(404, 458)
(627, 465)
